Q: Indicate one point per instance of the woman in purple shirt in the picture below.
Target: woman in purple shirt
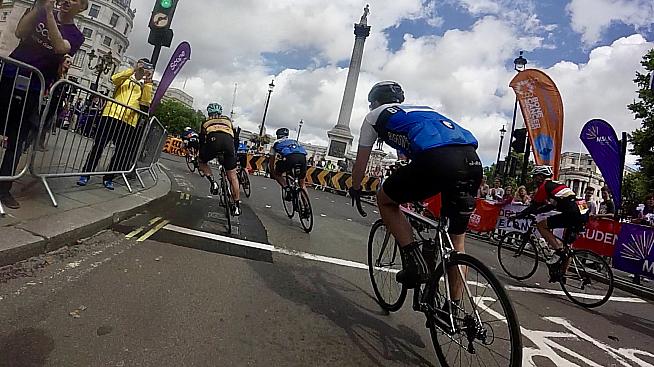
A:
(46, 36)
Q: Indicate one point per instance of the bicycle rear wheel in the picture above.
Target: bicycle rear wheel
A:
(189, 162)
(304, 210)
(589, 279)
(245, 182)
(487, 332)
(384, 262)
(518, 255)
(227, 199)
(289, 208)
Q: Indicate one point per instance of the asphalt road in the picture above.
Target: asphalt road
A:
(180, 292)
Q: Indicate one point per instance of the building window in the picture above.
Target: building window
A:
(78, 60)
(107, 41)
(120, 49)
(3, 16)
(94, 11)
(126, 29)
(88, 32)
(114, 20)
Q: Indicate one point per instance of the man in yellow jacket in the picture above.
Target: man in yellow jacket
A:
(119, 124)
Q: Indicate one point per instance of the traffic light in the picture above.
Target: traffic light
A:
(519, 140)
(162, 14)
(161, 37)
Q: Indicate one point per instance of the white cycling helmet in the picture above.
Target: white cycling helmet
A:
(188, 128)
(546, 171)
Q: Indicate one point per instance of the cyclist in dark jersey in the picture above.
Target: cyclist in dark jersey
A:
(553, 195)
(286, 154)
(443, 160)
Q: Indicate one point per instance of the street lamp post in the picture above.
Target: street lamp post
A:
(519, 64)
(499, 151)
(265, 111)
(103, 65)
(299, 130)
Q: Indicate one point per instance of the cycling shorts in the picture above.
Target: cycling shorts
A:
(570, 216)
(286, 164)
(219, 145)
(192, 143)
(454, 171)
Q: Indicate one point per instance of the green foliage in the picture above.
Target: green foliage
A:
(175, 116)
(266, 139)
(634, 191)
(643, 109)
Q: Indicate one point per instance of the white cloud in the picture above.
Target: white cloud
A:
(462, 73)
(592, 17)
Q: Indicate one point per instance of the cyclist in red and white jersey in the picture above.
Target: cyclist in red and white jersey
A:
(554, 195)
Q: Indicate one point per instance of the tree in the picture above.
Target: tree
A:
(643, 109)
(175, 116)
(634, 191)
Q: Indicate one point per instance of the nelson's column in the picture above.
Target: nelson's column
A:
(340, 137)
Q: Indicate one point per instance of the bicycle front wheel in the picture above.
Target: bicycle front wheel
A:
(518, 255)
(189, 162)
(304, 210)
(486, 331)
(384, 262)
(588, 281)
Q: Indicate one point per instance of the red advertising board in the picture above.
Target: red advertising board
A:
(600, 236)
(484, 218)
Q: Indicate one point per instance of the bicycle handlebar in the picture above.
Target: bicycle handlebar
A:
(356, 198)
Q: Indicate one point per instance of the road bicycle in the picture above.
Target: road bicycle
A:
(299, 199)
(475, 325)
(244, 181)
(225, 195)
(192, 160)
(587, 279)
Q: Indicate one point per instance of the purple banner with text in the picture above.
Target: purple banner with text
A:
(634, 250)
(603, 145)
(181, 55)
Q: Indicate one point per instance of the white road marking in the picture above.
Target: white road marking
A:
(580, 295)
(357, 265)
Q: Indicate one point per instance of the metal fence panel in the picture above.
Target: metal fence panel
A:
(21, 96)
(78, 135)
(152, 148)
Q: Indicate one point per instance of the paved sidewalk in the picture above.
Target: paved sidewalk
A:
(39, 227)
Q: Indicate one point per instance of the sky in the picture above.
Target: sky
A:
(454, 55)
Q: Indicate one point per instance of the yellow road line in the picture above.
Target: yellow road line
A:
(154, 230)
(139, 229)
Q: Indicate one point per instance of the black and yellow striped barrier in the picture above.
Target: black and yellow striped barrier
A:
(174, 146)
(338, 181)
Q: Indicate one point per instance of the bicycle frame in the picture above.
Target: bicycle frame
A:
(445, 250)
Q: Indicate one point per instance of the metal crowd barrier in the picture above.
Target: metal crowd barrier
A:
(20, 101)
(155, 139)
(74, 138)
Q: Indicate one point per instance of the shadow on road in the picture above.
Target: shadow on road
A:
(327, 294)
(26, 348)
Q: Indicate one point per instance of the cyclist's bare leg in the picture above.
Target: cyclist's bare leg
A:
(456, 283)
(394, 220)
(547, 234)
(204, 167)
(233, 183)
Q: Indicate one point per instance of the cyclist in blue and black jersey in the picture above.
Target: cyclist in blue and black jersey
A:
(190, 138)
(443, 160)
(288, 153)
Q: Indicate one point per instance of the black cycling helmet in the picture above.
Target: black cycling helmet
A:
(386, 92)
(282, 133)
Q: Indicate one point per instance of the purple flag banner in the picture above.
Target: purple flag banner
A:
(181, 55)
(634, 250)
(603, 145)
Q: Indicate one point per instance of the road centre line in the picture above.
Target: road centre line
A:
(357, 265)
